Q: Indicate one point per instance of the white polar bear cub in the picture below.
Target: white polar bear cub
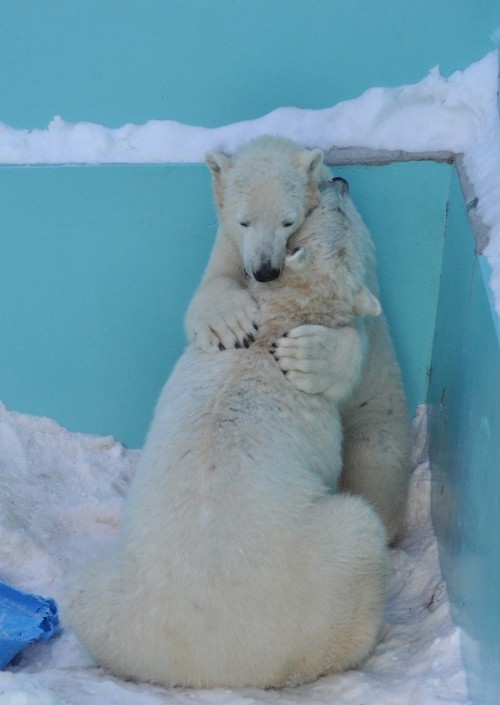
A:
(263, 194)
(238, 563)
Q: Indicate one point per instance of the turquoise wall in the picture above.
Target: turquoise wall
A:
(404, 205)
(464, 403)
(97, 265)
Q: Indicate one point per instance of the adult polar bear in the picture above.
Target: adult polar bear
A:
(238, 563)
(263, 195)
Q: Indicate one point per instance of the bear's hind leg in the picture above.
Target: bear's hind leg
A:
(94, 605)
(349, 559)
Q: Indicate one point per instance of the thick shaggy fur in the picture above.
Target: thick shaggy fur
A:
(263, 194)
(239, 564)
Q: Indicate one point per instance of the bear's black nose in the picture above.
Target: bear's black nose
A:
(266, 272)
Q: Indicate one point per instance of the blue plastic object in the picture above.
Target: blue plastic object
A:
(24, 619)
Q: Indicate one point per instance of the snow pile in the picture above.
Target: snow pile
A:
(458, 114)
(61, 497)
(482, 165)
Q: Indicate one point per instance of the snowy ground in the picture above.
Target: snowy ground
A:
(61, 497)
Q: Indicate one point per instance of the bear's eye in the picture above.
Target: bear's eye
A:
(244, 223)
(287, 223)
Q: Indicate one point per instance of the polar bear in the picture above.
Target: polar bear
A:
(239, 564)
(263, 194)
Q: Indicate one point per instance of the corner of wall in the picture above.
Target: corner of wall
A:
(464, 449)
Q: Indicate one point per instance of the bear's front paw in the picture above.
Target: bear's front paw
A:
(233, 325)
(317, 359)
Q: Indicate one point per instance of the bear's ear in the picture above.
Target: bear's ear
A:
(217, 163)
(366, 304)
(297, 259)
(340, 185)
(311, 160)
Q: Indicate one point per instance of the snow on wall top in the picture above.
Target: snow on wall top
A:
(457, 114)
(437, 113)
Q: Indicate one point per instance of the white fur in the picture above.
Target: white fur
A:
(266, 180)
(239, 565)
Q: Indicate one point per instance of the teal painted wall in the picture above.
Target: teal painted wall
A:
(97, 265)
(464, 401)
(211, 62)
(404, 206)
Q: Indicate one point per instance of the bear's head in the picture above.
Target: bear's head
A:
(323, 276)
(305, 265)
(263, 194)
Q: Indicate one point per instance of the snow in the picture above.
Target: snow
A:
(437, 113)
(458, 114)
(61, 498)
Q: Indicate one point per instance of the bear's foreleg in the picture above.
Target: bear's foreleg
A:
(222, 313)
(321, 360)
